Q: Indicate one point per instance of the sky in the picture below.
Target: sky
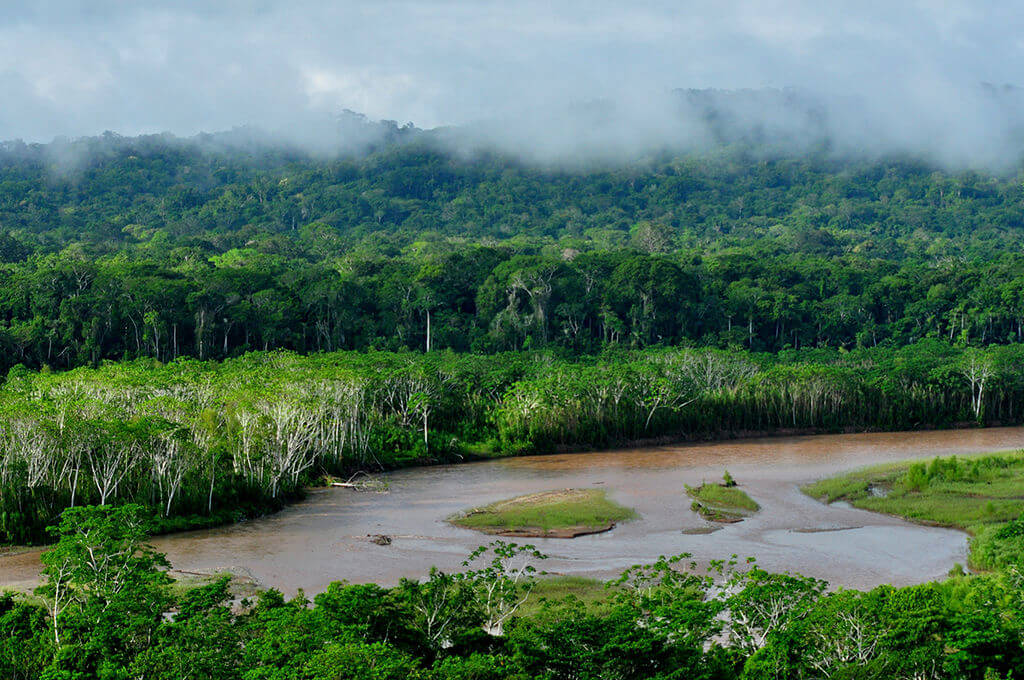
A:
(72, 68)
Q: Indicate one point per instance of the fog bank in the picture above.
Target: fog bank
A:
(555, 82)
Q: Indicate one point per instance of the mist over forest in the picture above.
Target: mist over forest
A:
(763, 236)
(977, 128)
(581, 81)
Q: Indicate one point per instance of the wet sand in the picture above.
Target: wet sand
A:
(325, 538)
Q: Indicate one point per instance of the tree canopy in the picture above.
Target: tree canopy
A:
(159, 247)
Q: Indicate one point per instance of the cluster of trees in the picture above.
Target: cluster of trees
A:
(107, 611)
(708, 393)
(115, 248)
(69, 309)
(202, 442)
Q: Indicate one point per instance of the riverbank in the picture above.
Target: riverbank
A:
(163, 526)
(477, 452)
(310, 544)
(981, 495)
(206, 439)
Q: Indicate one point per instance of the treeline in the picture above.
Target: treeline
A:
(118, 248)
(106, 610)
(71, 310)
(205, 441)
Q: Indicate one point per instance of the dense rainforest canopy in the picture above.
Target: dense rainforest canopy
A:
(160, 247)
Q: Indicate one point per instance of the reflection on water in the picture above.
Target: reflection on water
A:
(325, 538)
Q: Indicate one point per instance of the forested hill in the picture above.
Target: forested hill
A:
(218, 192)
(116, 247)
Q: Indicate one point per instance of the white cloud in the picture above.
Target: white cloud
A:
(72, 68)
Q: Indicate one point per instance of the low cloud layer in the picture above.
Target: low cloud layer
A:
(552, 80)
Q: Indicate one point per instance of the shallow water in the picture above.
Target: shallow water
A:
(325, 538)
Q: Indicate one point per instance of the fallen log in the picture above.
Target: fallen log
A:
(361, 481)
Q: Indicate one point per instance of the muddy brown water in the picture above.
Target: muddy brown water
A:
(324, 539)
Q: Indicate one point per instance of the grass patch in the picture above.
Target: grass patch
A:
(857, 484)
(239, 585)
(725, 497)
(721, 502)
(982, 495)
(553, 591)
(556, 514)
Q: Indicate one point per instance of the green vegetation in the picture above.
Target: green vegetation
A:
(275, 317)
(982, 495)
(194, 330)
(203, 442)
(565, 514)
(726, 497)
(163, 248)
(723, 502)
(550, 592)
(107, 610)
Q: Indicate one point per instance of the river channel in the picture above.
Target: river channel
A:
(324, 538)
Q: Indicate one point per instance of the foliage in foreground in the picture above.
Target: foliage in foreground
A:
(983, 495)
(108, 613)
(207, 442)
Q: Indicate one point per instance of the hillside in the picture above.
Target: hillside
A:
(116, 247)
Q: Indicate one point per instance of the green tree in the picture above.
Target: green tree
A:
(104, 589)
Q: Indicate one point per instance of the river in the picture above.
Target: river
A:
(324, 538)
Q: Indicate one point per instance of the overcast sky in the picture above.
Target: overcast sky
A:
(81, 67)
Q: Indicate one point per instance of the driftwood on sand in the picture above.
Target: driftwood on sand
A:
(362, 481)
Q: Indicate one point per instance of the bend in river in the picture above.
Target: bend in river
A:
(326, 537)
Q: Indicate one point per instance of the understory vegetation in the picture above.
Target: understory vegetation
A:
(982, 495)
(106, 609)
(202, 442)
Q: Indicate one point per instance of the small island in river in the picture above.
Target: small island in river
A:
(725, 502)
(566, 513)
